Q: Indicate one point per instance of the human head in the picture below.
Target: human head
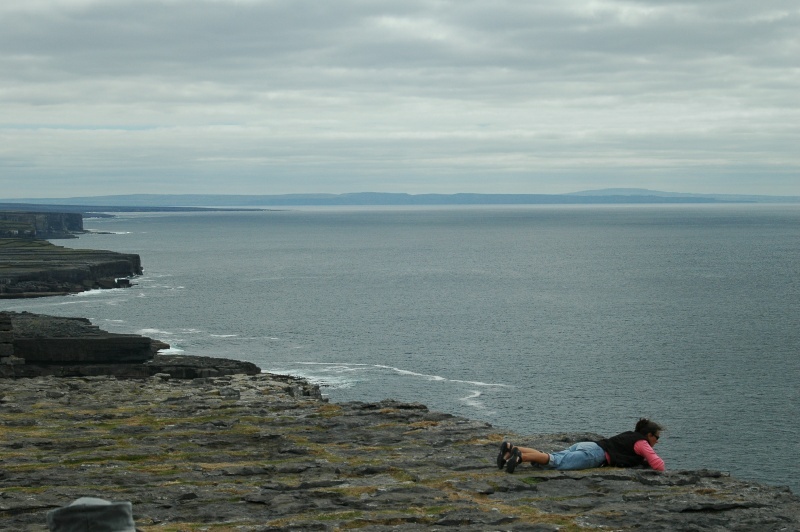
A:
(645, 427)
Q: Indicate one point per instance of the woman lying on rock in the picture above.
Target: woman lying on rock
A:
(629, 449)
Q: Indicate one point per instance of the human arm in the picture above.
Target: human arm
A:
(643, 449)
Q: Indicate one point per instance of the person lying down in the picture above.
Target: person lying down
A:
(628, 449)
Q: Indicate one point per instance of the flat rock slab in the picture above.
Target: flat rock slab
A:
(265, 452)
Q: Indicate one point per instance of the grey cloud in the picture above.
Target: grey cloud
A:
(201, 40)
(135, 35)
(386, 92)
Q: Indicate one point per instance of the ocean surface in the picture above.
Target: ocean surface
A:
(536, 319)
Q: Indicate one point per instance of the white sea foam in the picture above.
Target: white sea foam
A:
(171, 351)
(107, 296)
(159, 275)
(326, 381)
(348, 367)
(440, 378)
(333, 372)
(472, 400)
(479, 383)
(148, 332)
(96, 292)
(67, 302)
(331, 363)
(223, 335)
(412, 373)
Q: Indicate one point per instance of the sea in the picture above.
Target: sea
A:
(536, 319)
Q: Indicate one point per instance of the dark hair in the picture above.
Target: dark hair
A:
(644, 426)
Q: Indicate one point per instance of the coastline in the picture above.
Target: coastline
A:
(265, 452)
(31, 267)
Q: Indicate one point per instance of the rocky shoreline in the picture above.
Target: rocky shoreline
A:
(37, 268)
(35, 345)
(267, 453)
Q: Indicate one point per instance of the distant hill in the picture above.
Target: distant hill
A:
(178, 201)
(642, 193)
(93, 208)
(634, 192)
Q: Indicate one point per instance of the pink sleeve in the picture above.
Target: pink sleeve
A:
(642, 448)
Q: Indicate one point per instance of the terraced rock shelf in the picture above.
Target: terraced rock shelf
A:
(37, 268)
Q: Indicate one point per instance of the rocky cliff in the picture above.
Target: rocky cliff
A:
(40, 224)
(37, 268)
(267, 453)
(33, 345)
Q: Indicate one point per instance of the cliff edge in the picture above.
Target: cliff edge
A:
(267, 453)
(35, 345)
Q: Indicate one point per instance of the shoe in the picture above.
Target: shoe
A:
(505, 447)
(514, 460)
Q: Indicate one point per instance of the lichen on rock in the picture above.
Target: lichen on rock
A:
(267, 452)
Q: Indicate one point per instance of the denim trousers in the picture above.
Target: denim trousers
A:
(582, 455)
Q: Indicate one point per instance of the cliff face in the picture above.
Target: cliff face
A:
(34, 345)
(32, 267)
(40, 224)
(265, 452)
(37, 268)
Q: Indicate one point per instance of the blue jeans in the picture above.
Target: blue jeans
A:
(582, 455)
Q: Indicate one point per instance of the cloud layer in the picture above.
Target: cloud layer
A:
(274, 96)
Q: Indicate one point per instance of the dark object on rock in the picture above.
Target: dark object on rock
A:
(92, 515)
(514, 460)
(505, 447)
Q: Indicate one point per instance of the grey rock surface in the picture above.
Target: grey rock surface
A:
(266, 452)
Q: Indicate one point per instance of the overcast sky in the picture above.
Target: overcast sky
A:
(419, 96)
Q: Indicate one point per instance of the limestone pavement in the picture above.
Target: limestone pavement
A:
(266, 453)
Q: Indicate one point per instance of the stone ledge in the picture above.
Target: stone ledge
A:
(264, 452)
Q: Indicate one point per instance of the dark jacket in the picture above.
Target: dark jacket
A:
(619, 449)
